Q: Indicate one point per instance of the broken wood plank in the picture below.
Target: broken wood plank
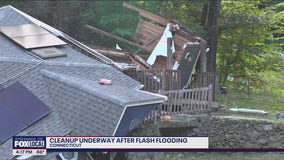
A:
(183, 32)
(147, 31)
(110, 52)
(147, 28)
(146, 14)
(115, 37)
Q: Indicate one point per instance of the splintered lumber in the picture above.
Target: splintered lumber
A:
(147, 14)
(115, 37)
(183, 32)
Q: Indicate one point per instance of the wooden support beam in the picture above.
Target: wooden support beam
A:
(203, 57)
(169, 53)
(111, 52)
(146, 14)
(115, 37)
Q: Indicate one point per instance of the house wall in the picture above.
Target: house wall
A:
(85, 113)
(132, 117)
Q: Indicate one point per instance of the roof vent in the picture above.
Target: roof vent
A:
(50, 52)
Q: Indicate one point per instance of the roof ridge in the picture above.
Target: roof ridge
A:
(75, 64)
(53, 63)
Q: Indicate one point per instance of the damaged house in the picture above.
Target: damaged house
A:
(48, 87)
(176, 66)
(173, 48)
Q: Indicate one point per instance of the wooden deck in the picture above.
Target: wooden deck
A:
(180, 101)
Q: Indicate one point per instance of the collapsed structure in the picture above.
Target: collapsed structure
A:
(174, 48)
(176, 66)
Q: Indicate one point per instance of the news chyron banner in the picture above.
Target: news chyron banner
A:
(29, 145)
(38, 145)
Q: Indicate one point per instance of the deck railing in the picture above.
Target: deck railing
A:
(204, 80)
(186, 101)
(198, 99)
(159, 80)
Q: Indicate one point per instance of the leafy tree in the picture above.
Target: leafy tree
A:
(245, 30)
(112, 17)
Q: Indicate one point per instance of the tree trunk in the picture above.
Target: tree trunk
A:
(202, 62)
(59, 9)
(213, 34)
(204, 15)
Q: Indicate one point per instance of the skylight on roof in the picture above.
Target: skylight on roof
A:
(50, 52)
(31, 36)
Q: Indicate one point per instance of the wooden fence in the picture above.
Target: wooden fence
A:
(204, 80)
(159, 80)
(186, 101)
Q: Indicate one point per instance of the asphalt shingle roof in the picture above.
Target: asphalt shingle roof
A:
(115, 94)
(68, 86)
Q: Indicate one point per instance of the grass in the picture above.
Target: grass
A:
(223, 156)
(267, 101)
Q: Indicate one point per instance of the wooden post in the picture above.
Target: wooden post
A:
(203, 57)
(163, 81)
(169, 54)
(210, 100)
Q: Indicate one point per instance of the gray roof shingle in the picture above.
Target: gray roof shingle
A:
(68, 86)
(115, 94)
(9, 17)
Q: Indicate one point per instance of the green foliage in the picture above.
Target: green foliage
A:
(112, 17)
(184, 11)
(245, 30)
